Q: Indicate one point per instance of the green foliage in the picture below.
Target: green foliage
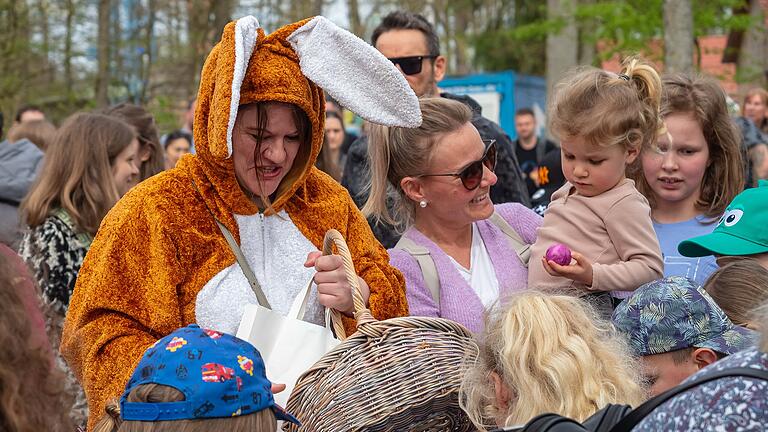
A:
(622, 26)
(501, 50)
(165, 111)
(514, 40)
(619, 26)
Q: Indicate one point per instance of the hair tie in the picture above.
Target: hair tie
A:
(624, 77)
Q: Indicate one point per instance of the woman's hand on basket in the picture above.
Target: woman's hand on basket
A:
(333, 288)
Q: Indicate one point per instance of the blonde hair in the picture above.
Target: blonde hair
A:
(396, 152)
(555, 355)
(38, 132)
(262, 421)
(607, 109)
(737, 287)
(77, 173)
(705, 100)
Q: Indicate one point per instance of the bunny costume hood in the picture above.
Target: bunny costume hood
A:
(159, 262)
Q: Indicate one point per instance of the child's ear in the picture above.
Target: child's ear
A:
(632, 153)
(502, 393)
(703, 357)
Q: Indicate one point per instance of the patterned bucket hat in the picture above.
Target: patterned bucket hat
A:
(218, 374)
(675, 313)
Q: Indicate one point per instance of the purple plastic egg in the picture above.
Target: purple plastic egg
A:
(559, 253)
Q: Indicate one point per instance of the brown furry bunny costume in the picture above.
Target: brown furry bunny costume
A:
(159, 261)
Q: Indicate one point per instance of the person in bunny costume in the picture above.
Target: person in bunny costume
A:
(160, 261)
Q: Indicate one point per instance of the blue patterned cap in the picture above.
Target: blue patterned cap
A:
(675, 313)
(218, 374)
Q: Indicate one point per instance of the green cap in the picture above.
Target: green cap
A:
(743, 229)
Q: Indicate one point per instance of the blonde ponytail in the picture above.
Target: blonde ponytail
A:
(648, 85)
(395, 153)
(607, 109)
(378, 160)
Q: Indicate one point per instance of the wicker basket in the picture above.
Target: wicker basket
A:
(402, 374)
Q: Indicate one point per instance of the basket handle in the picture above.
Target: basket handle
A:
(333, 237)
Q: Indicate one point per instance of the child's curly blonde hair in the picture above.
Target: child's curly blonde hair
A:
(609, 109)
(554, 355)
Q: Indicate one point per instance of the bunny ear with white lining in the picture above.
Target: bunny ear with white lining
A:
(354, 73)
(245, 40)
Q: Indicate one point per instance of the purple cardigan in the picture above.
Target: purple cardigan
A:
(458, 301)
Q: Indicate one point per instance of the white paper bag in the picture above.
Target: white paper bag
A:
(288, 345)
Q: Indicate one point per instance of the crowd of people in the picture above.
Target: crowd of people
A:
(128, 257)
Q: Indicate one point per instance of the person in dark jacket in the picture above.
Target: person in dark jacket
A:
(755, 148)
(529, 147)
(410, 42)
(19, 164)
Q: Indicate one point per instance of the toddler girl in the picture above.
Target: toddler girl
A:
(602, 120)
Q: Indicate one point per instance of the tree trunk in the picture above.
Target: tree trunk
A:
(15, 53)
(42, 8)
(317, 7)
(69, 25)
(102, 74)
(678, 36)
(355, 24)
(462, 21)
(587, 48)
(752, 62)
(198, 12)
(563, 46)
(222, 14)
(148, 57)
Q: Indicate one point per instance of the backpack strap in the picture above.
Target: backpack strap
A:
(604, 419)
(521, 248)
(638, 414)
(84, 238)
(548, 422)
(426, 263)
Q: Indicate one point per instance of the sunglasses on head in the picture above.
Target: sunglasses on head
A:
(411, 65)
(472, 175)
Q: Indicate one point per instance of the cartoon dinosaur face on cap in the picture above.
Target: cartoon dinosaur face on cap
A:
(742, 230)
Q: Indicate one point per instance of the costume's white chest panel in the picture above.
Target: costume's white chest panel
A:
(276, 251)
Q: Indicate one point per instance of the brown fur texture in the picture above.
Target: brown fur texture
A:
(160, 245)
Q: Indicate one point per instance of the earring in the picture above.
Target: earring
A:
(423, 204)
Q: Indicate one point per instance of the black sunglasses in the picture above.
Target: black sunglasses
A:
(472, 175)
(411, 65)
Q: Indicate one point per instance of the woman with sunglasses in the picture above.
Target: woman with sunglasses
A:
(459, 253)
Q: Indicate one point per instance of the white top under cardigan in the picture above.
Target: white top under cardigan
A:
(480, 276)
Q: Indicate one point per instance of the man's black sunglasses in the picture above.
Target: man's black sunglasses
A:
(472, 175)
(411, 65)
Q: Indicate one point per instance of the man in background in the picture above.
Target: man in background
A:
(28, 113)
(529, 148)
